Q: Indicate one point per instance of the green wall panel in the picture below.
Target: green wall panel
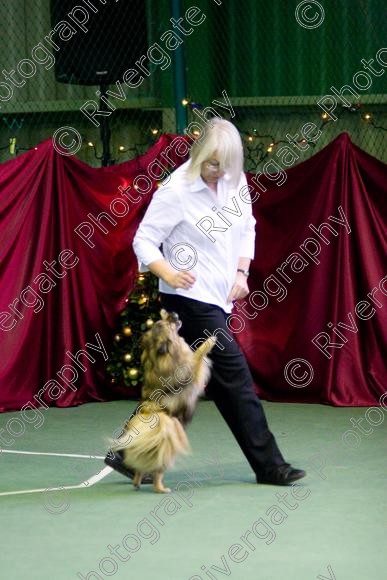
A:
(257, 48)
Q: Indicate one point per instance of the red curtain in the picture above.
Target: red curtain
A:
(45, 198)
(65, 275)
(327, 285)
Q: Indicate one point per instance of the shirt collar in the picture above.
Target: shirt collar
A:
(199, 184)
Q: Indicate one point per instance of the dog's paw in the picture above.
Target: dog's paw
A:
(162, 489)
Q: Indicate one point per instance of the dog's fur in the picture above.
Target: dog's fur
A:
(174, 378)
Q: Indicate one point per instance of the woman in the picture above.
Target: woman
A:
(203, 219)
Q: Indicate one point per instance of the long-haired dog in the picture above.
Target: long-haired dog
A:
(174, 378)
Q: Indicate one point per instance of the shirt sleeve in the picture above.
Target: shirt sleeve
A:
(247, 243)
(163, 214)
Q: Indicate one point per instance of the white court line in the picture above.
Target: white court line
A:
(88, 483)
(52, 454)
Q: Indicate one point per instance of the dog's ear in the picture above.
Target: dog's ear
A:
(145, 339)
(163, 314)
(173, 317)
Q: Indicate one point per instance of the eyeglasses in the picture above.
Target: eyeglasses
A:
(212, 165)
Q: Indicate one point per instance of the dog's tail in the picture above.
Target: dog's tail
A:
(148, 449)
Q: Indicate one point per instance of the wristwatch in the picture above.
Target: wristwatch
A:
(244, 272)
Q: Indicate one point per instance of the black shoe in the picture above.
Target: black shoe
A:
(283, 475)
(114, 459)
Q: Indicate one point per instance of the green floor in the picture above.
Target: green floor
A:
(331, 526)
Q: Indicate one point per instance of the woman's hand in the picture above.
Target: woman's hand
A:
(240, 288)
(174, 278)
(179, 279)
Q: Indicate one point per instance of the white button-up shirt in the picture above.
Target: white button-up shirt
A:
(200, 231)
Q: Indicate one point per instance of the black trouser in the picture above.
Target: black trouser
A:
(231, 385)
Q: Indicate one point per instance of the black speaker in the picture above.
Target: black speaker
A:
(98, 40)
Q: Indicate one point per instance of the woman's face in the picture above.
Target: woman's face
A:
(210, 170)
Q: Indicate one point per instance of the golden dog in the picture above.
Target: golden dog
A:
(174, 378)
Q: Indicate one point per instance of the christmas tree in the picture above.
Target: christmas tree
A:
(141, 311)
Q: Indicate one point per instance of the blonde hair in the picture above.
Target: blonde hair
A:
(221, 140)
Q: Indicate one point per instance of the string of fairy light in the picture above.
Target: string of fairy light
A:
(257, 150)
(259, 146)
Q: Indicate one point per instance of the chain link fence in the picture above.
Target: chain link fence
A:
(292, 71)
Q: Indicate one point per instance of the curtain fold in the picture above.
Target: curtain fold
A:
(325, 286)
(63, 283)
(67, 265)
